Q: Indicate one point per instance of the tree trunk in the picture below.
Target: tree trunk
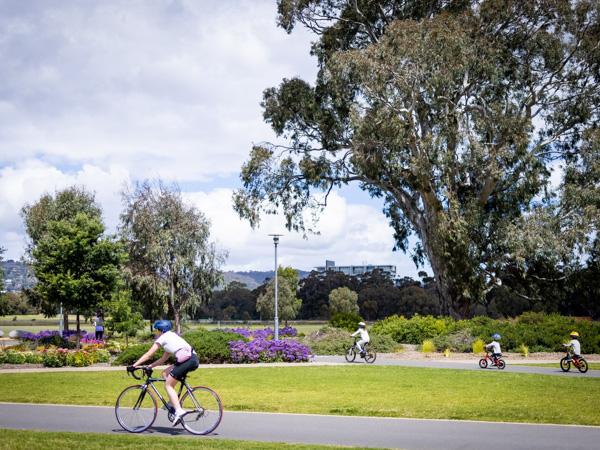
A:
(65, 319)
(78, 335)
(175, 310)
(452, 303)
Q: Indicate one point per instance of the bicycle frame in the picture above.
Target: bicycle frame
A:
(149, 383)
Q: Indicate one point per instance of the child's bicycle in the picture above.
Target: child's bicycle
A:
(136, 408)
(483, 362)
(577, 361)
(368, 354)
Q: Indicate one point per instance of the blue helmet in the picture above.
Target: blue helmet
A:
(496, 337)
(163, 325)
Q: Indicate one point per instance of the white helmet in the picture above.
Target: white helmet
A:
(361, 324)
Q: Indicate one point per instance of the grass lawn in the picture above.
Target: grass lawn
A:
(26, 440)
(591, 365)
(382, 391)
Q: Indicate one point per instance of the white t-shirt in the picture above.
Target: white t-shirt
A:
(172, 342)
(364, 335)
(495, 346)
(576, 346)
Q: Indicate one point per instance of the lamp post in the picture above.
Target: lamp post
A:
(276, 319)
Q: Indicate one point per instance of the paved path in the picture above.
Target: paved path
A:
(314, 429)
(464, 365)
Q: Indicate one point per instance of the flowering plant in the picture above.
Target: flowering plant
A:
(262, 350)
(266, 333)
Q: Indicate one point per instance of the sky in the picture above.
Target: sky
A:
(104, 94)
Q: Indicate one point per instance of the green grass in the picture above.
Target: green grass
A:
(591, 365)
(26, 440)
(382, 391)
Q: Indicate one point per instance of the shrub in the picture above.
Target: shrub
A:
(14, 357)
(460, 341)
(32, 358)
(328, 341)
(428, 346)
(55, 358)
(417, 329)
(345, 321)
(478, 347)
(132, 353)
(2, 358)
(524, 350)
(212, 347)
(384, 344)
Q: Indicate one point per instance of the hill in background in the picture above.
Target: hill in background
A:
(253, 279)
(17, 278)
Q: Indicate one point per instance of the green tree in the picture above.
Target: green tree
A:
(287, 303)
(62, 205)
(168, 244)
(343, 300)
(453, 112)
(76, 265)
(121, 316)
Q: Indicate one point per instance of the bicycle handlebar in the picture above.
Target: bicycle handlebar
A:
(132, 371)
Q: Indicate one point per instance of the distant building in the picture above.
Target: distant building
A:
(356, 270)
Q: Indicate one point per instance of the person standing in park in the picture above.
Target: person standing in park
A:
(99, 326)
(187, 361)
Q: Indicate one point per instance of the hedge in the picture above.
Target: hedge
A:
(538, 331)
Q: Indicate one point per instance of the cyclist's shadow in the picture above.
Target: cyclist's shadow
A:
(162, 430)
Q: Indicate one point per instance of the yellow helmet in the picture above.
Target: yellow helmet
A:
(574, 334)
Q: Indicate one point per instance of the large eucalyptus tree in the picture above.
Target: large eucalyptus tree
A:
(455, 113)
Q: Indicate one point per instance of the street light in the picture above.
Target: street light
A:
(275, 242)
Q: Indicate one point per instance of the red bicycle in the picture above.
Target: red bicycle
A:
(487, 359)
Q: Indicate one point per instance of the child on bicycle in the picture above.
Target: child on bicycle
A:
(574, 345)
(364, 338)
(187, 361)
(495, 346)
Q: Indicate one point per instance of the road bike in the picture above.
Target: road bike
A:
(368, 353)
(487, 359)
(136, 408)
(577, 361)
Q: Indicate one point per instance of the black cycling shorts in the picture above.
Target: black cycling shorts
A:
(180, 369)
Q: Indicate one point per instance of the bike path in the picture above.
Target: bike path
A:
(462, 365)
(390, 433)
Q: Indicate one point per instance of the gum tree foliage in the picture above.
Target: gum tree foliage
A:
(169, 249)
(343, 300)
(65, 204)
(288, 304)
(454, 113)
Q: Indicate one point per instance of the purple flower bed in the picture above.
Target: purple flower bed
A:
(267, 333)
(47, 333)
(262, 350)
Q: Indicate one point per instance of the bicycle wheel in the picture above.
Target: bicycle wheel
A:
(483, 363)
(501, 364)
(136, 409)
(371, 356)
(565, 365)
(583, 365)
(205, 410)
(351, 354)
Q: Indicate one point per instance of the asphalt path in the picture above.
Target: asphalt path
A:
(463, 365)
(315, 429)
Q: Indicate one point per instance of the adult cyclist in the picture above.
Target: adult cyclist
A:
(187, 361)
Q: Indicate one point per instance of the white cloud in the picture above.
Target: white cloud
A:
(102, 93)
